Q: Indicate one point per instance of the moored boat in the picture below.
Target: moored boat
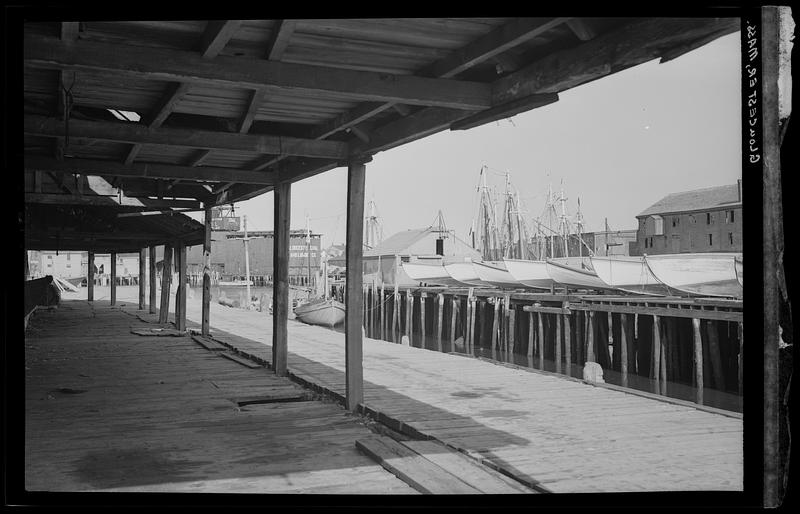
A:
(738, 266)
(434, 274)
(699, 274)
(574, 276)
(496, 274)
(326, 312)
(464, 273)
(630, 274)
(530, 273)
(235, 283)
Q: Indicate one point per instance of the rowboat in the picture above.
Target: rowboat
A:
(326, 312)
(699, 274)
(530, 273)
(574, 276)
(630, 274)
(496, 274)
(464, 273)
(434, 274)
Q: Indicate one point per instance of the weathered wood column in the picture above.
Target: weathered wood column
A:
(656, 369)
(180, 291)
(354, 373)
(90, 278)
(206, 309)
(623, 348)
(698, 360)
(440, 312)
(142, 277)
(567, 343)
(152, 266)
(113, 278)
(166, 281)
(280, 300)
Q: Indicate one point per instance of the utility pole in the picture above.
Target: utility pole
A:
(246, 262)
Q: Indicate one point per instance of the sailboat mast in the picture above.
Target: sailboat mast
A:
(246, 263)
(564, 225)
(520, 231)
(308, 248)
(550, 219)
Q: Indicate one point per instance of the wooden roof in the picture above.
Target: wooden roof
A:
(229, 108)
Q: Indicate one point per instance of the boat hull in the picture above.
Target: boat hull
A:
(496, 274)
(698, 274)
(630, 274)
(326, 313)
(464, 273)
(574, 277)
(530, 273)
(434, 274)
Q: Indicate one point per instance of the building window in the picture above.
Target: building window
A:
(674, 221)
(68, 256)
(646, 242)
(691, 217)
(708, 218)
(69, 265)
(730, 238)
(710, 239)
(733, 216)
(49, 257)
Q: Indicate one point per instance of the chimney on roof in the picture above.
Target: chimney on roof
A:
(739, 183)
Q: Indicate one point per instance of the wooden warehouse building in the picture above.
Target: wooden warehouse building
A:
(128, 123)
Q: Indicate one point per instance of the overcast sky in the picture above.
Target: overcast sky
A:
(620, 143)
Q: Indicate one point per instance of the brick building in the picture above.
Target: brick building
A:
(703, 220)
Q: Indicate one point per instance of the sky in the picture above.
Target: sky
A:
(620, 143)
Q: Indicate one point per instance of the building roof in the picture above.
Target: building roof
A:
(399, 242)
(696, 200)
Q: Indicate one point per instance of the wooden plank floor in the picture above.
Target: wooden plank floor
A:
(107, 410)
(551, 432)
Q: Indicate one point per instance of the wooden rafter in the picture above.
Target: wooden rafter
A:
(257, 97)
(148, 170)
(108, 201)
(280, 39)
(581, 29)
(201, 139)
(182, 66)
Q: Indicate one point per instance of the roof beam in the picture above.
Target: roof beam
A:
(201, 139)
(257, 97)
(635, 43)
(280, 39)
(505, 111)
(182, 66)
(581, 29)
(147, 170)
(108, 201)
(217, 35)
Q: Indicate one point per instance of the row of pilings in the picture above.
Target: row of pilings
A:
(656, 345)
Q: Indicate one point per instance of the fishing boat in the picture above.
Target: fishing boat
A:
(630, 274)
(573, 276)
(433, 274)
(465, 273)
(326, 312)
(496, 274)
(699, 274)
(530, 273)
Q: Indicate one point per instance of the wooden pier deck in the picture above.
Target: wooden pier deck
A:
(108, 410)
(554, 433)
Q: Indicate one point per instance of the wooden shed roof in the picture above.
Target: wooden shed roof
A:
(226, 109)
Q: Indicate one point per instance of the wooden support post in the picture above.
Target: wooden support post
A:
(382, 306)
(395, 314)
(567, 344)
(409, 316)
(664, 366)
(698, 361)
(590, 339)
(153, 282)
(512, 325)
(474, 317)
(365, 303)
(90, 278)
(440, 312)
(541, 340)
(610, 343)
(205, 328)
(656, 369)
(714, 353)
(453, 318)
(623, 348)
(558, 343)
(177, 256)
(180, 291)
(467, 325)
(741, 353)
(280, 278)
(504, 326)
(422, 300)
(495, 322)
(354, 372)
(166, 281)
(579, 337)
(142, 274)
(531, 332)
(113, 278)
